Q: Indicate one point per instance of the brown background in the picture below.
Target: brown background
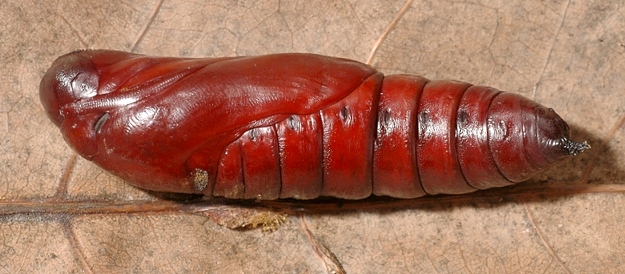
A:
(61, 214)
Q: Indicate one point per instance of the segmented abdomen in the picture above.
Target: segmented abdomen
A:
(401, 136)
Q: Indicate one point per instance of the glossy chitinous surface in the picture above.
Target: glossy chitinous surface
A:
(294, 126)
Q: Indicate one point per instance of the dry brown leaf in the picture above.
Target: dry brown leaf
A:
(62, 214)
